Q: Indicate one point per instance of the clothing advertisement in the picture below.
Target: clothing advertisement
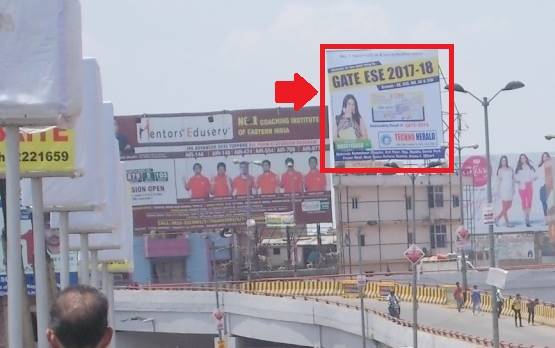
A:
(522, 187)
(210, 170)
(385, 105)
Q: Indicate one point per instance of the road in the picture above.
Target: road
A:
(442, 317)
(538, 283)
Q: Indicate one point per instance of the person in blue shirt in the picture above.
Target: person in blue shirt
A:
(475, 297)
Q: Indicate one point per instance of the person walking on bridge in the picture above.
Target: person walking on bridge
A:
(476, 300)
(517, 308)
(531, 306)
(459, 296)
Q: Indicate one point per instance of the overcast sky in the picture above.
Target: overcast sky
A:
(187, 56)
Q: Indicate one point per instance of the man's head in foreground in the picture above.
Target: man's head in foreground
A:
(79, 319)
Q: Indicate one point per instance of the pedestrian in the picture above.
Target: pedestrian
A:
(393, 304)
(517, 308)
(476, 300)
(79, 318)
(500, 301)
(459, 296)
(531, 306)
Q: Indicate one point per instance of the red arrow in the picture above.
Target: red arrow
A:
(299, 92)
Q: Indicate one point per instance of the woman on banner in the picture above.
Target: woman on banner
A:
(525, 175)
(505, 189)
(547, 186)
(350, 125)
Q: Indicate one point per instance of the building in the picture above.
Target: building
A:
(381, 207)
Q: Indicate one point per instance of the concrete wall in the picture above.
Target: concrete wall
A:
(276, 319)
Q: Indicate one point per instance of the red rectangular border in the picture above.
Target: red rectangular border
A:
(385, 170)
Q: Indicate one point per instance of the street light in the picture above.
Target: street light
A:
(485, 102)
(549, 137)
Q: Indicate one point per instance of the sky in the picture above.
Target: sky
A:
(188, 56)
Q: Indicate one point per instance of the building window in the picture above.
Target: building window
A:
(456, 201)
(362, 240)
(408, 202)
(435, 196)
(354, 202)
(438, 236)
(277, 251)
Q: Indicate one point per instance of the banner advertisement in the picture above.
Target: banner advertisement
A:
(280, 219)
(522, 187)
(510, 246)
(193, 171)
(385, 105)
(28, 255)
(51, 151)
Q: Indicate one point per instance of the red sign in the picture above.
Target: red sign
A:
(462, 232)
(476, 166)
(414, 254)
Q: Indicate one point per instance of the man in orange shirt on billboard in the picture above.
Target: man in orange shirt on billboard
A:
(221, 183)
(291, 180)
(268, 181)
(314, 181)
(244, 182)
(198, 184)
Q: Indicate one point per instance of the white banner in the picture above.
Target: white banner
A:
(385, 104)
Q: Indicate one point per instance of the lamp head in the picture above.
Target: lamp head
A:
(457, 88)
(513, 85)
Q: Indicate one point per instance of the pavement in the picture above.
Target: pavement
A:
(534, 283)
(441, 317)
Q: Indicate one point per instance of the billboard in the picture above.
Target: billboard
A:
(384, 105)
(522, 187)
(193, 171)
(28, 255)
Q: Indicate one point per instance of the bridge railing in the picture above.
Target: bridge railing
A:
(346, 286)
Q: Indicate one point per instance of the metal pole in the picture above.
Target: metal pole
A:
(249, 256)
(94, 268)
(215, 279)
(84, 259)
(41, 278)
(294, 205)
(16, 290)
(108, 291)
(64, 249)
(461, 206)
(414, 271)
(361, 291)
(495, 319)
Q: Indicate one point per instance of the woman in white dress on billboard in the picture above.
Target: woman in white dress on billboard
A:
(505, 189)
(525, 175)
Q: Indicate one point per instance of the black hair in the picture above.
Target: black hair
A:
(267, 161)
(519, 165)
(501, 161)
(79, 317)
(356, 114)
(541, 160)
(221, 164)
(197, 164)
(314, 158)
(289, 159)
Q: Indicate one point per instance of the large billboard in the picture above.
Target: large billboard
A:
(385, 104)
(193, 171)
(522, 188)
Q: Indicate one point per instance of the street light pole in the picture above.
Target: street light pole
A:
(414, 271)
(361, 290)
(485, 102)
(495, 316)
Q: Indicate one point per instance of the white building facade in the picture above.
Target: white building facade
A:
(381, 207)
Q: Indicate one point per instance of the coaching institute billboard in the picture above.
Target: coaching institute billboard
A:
(193, 171)
(385, 104)
(523, 191)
